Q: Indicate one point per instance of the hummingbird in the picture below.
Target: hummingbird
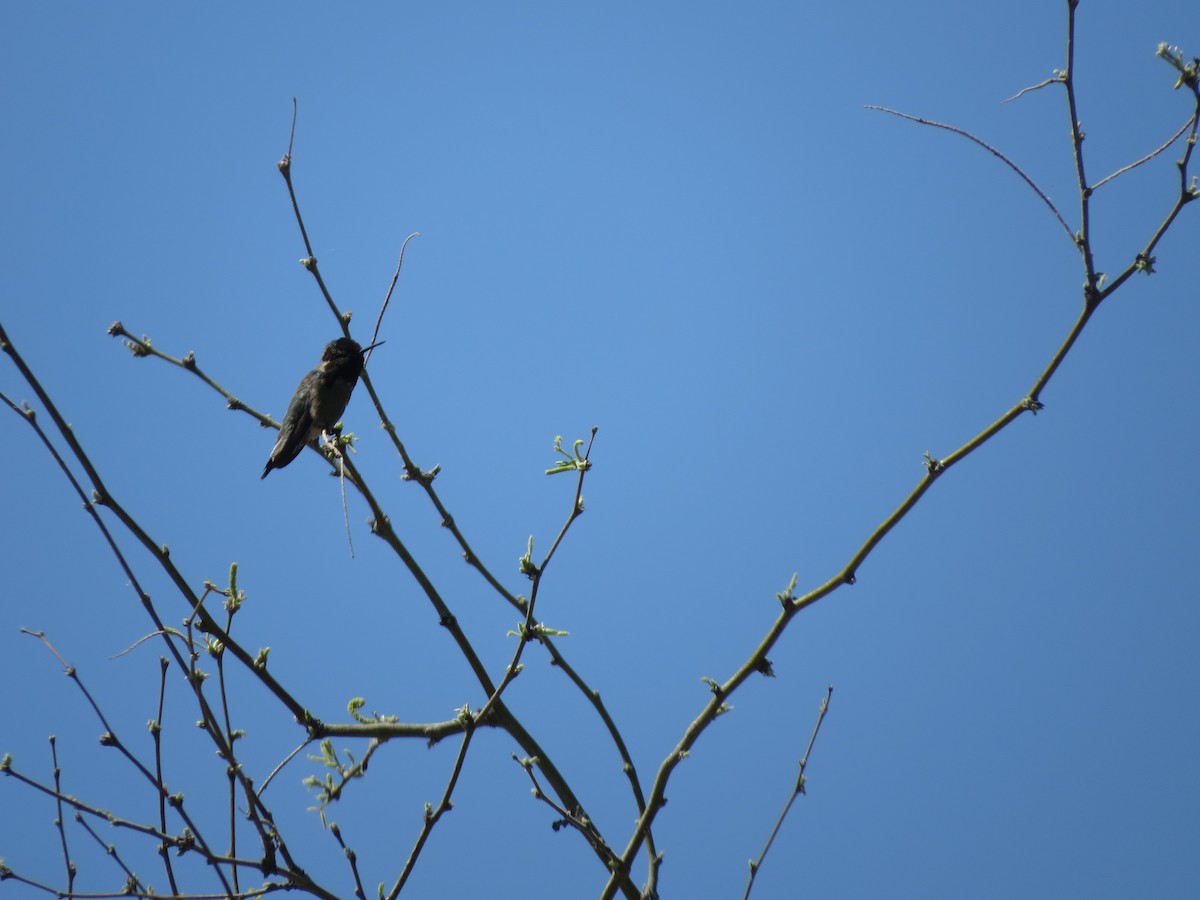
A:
(319, 401)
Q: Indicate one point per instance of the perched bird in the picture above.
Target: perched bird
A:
(319, 401)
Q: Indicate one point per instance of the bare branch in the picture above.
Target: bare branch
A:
(756, 864)
(986, 146)
(388, 297)
(1056, 78)
(1149, 156)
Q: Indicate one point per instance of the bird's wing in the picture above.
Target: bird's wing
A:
(292, 440)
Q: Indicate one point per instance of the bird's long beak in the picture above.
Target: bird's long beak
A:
(366, 350)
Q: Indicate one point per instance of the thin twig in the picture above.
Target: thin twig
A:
(756, 864)
(143, 346)
(1053, 79)
(434, 814)
(132, 882)
(142, 640)
(156, 736)
(287, 759)
(574, 818)
(351, 858)
(527, 632)
(95, 811)
(1149, 156)
(1083, 241)
(986, 146)
(58, 821)
(310, 260)
(231, 763)
(387, 299)
(292, 135)
(627, 764)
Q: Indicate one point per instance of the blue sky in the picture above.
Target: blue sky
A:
(678, 223)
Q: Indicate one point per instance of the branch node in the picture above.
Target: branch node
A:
(933, 466)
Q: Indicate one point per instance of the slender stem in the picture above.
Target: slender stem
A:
(156, 733)
(1149, 156)
(988, 147)
(68, 864)
(1084, 239)
(434, 815)
(756, 864)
